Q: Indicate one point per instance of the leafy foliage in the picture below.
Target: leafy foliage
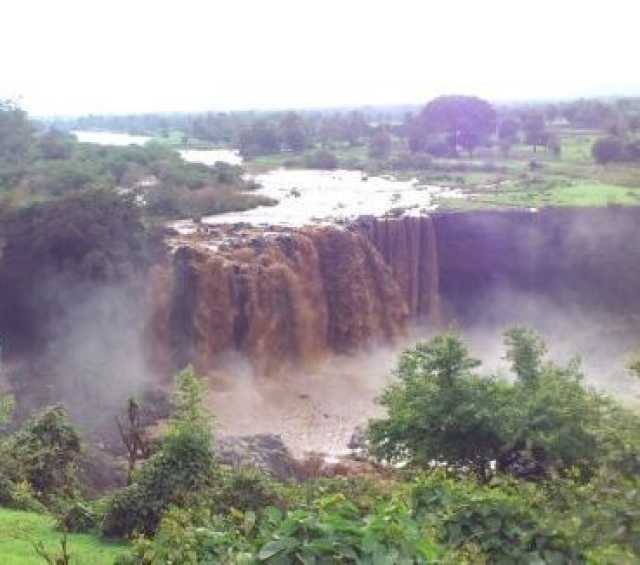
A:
(244, 489)
(56, 253)
(467, 120)
(331, 530)
(78, 517)
(525, 350)
(6, 406)
(502, 522)
(16, 132)
(44, 454)
(607, 149)
(176, 474)
(439, 411)
(322, 159)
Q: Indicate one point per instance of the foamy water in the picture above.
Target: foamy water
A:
(110, 138)
(314, 196)
(305, 196)
(211, 156)
(315, 410)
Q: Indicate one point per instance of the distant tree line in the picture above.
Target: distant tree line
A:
(442, 128)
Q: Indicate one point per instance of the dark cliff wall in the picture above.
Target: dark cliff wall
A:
(584, 258)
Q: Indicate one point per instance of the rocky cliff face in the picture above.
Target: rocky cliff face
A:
(587, 259)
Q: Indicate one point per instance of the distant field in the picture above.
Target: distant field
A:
(19, 530)
(178, 140)
(524, 178)
(570, 179)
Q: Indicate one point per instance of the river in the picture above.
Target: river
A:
(205, 156)
(306, 196)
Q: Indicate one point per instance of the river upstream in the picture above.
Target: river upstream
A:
(306, 196)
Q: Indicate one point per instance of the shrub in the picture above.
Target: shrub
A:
(438, 149)
(176, 475)
(633, 150)
(170, 201)
(191, 537)
(46, 453)
(78, 517)
(439, 410)
(322, 159)
(6, 403)
(547, 422)
(334, 531)
(607, 149)
(502, 522)
(409, 161)
(19, 496)
(244, 489)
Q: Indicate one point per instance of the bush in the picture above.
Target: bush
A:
(19, 496)
(244, 489)
(545, 423)
(78, 517)
(191, 537)
(46, 453)
(607, 149)
(177, 474)
(438, 149)
(409, 161)
(167, 201)
(439, 410)
(322, 159)
(331, 530)
(502, 523)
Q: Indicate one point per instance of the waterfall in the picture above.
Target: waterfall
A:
(409, 246)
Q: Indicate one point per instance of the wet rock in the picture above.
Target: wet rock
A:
(267, 452)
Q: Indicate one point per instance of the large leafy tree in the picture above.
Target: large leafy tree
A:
(56, 253)
(535, 130)
(440, 410)
(467, 120)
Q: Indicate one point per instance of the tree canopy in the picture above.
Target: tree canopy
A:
(467, 120)
(440, 410)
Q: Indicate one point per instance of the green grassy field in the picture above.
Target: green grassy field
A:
(571, 179)
(20, 530)
(176, 139)
(489, 179)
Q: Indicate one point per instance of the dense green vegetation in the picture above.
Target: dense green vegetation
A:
(578, 153)
(539, 469)
(39, 165)
(464, 466)
(20, 530)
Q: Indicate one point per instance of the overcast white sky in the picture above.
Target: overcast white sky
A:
(81, 56)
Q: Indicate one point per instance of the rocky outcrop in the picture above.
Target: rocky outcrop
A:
(266, 452)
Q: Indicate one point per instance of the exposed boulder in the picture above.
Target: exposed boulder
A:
(267, 452)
